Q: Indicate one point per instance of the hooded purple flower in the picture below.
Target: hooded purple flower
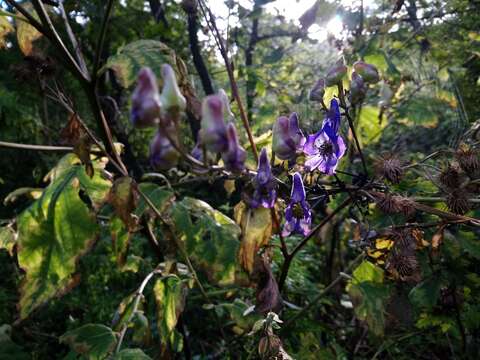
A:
(163, 155)
(213, 132)
(325, 148)
(264, 184)
(287, 137)
(145, 100)
(235, 156)
(298, 216)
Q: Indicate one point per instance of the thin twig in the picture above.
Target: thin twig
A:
(323, 292)
(35, 147)
(101, 41)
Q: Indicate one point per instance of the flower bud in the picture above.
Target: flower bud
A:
(358, 89)
(336, 73)
(235, 156)
(171, 96)
(163, 155)
(226, 105)
(287, 137)
(145, 100)
(318, 90)
(368, 72)
(213, 132)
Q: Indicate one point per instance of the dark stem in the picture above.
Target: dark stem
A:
(288, 259)
(101, 41)
(251, 81)
(202, 69)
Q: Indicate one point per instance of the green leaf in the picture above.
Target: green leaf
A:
(53, 233)
(369, 127)
(211, 238)
(367, 271)
(162, 198)
(170, 293)
(94, 341)
(120, 239)
(369, 299)
(132, 57)
(426, 293)
(369, 294)
(470, 243)
(131, 354)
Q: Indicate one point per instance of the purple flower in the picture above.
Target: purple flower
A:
(213, 132)
(358, 89)
(264, 184)
(298, 216)
(234, 157)
(163, 155)
(368, 72)
(325, 148)
(171, 96)
(287, 137)
(145, 100)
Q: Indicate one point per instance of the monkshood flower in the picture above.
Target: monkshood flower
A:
(226, 106)
(298, 216)
(287, 139)
(325, 148)
(163, 155)
(358, 89)
(213, 132)
(336, 73)
(264, 184)
(171, 96)
(368, 72)
(235, 156)
(317, 92)
(146, 102)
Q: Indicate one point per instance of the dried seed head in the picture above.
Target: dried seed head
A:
(450, 177)
(468, 158)
(457, 202)
(268, 295)
(269, 346)
(394, 204)
(402, 262)
(390, 168)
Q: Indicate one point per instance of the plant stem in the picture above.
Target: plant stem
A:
(289, 258)
(35, 147)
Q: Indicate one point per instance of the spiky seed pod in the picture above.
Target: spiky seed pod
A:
(457, 202)
(402, 262)
(468, 158)
(390, 167)
(450, 177)
(407, 206)
(388, 205)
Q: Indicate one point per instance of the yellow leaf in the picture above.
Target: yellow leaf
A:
(26, 33)
(256, 225)
(5, 29)
(383, 243)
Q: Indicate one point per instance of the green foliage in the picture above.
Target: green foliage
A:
(54, 232)
(210, 238)
(94, 341)
(369, 294)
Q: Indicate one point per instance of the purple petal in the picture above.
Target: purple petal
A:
(314, 162)
(341, 147)
(298, 191)
(264, 173)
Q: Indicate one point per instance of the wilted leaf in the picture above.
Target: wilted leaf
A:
(5, 29)
(170, 293)
(124, 197)
(94, 341)
(53, 233)
(32, 193)
(211, 238)
(437, 238)
(131, 354)
(8, 239)
(26, 33)
(256, 225)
